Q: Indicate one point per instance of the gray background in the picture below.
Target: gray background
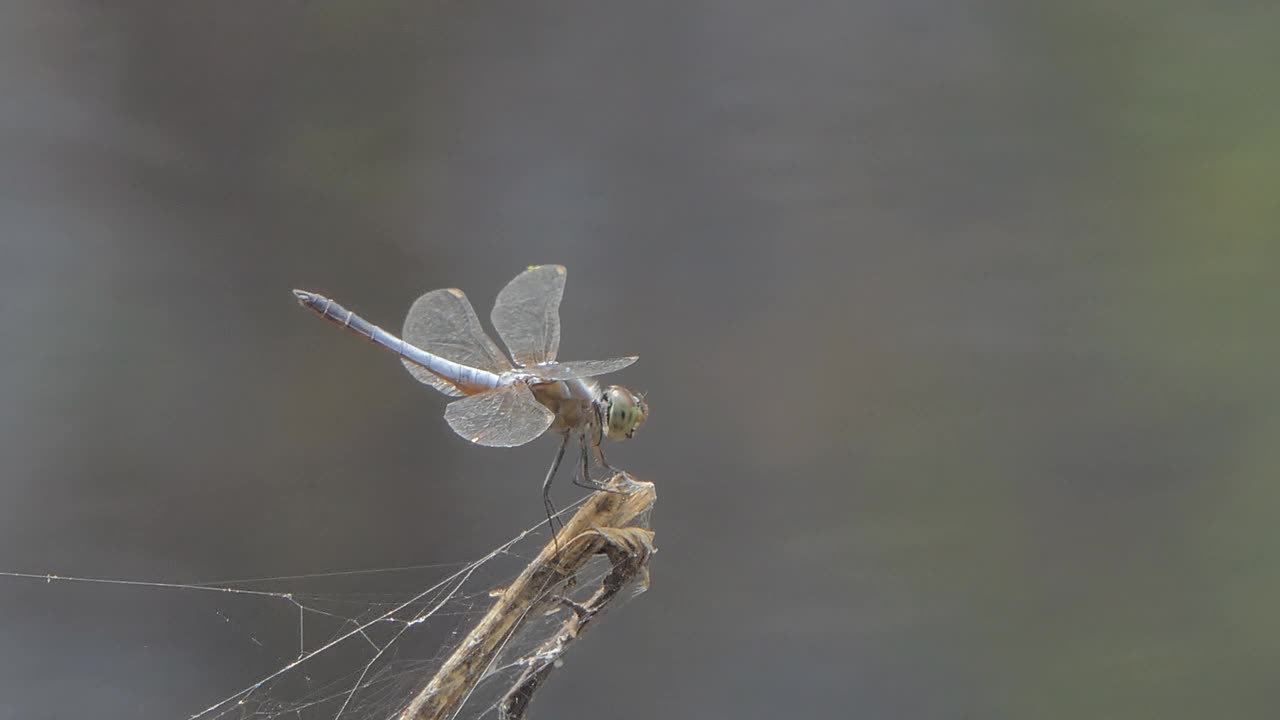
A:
(957, 320)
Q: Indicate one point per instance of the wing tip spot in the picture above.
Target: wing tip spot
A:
(455, 292)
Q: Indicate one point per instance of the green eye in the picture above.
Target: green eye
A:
(625, 413)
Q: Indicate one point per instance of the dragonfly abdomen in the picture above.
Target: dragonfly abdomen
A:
(467, 379)
(338, 315)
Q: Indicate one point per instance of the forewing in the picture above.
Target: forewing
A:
(527, 314)
(504, 417)
(580, 368)
(442, 322)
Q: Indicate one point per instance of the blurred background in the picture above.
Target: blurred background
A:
(957, 320)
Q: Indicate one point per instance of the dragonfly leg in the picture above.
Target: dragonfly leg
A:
(586, 480)
(604, 463)
(597, 440)
(585, 476)
(546, 485)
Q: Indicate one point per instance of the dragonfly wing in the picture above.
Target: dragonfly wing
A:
(527, 314)
(504, 417)
(427, 377)
(443, 322)
(579, 368)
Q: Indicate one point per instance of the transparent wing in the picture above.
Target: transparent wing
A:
(442, 322)
(505, 417)
(527, 314)
(579, 368)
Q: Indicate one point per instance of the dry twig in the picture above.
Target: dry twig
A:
(601, 525)
(628, 550)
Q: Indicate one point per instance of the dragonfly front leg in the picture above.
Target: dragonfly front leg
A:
(587, 481)
(597, 440)
(605, 463)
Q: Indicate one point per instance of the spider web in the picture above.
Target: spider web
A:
(357, 653)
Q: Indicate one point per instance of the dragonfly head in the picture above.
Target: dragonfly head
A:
(624, 412)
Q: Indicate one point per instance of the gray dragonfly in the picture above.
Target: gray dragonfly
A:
(504, 403)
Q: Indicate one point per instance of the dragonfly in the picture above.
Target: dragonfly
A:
(501, 402)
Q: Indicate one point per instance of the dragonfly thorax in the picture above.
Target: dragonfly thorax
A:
(573, 402)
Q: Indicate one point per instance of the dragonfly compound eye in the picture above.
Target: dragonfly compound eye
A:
(624, 413)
